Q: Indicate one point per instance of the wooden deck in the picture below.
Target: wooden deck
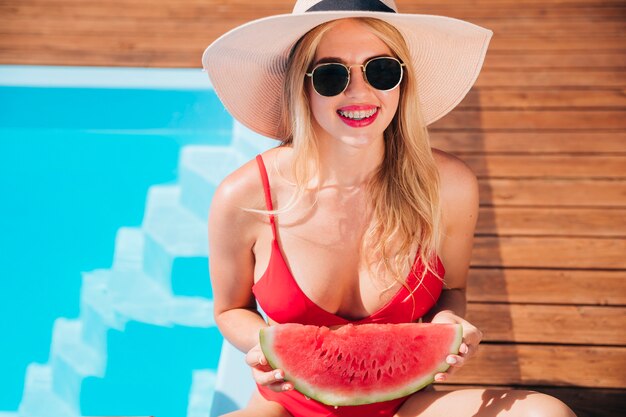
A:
(544, 129)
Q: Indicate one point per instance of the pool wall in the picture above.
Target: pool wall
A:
(139, 338)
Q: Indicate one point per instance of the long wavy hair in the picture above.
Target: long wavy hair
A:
(404, 191)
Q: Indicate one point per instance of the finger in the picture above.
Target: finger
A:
(280, 386)
(256, 358)
(473, 336)
(455, 361)
(268, 378)
(450, 371)
(440, 377)
(470, 350)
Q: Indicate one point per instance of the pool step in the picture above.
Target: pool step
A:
(171, 225)
(175, 244)
(111, 298)
(39, 400)
(201, 170)
(201, 393)
(72, 360)
(128, 253)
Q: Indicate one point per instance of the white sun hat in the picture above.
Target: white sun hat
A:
(247, 65)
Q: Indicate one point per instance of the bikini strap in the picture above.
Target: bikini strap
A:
(266, 188)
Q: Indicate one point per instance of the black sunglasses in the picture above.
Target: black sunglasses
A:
(382, 73)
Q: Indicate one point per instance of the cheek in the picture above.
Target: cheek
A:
(316, 109)
(390, 101)
(391, 98)
(321, 107)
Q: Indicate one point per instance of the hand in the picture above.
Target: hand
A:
(469, 345)
(263, 373)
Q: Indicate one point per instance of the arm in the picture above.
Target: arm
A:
(460, 201)
(459, 198)
(232, 236)
(231, 264)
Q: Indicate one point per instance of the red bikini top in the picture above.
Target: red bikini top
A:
(280, 297)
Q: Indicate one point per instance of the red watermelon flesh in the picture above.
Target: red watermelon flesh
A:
(360, 364)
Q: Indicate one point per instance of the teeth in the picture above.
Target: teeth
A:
(357, 115)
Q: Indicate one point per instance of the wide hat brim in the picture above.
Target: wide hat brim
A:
(247, 65)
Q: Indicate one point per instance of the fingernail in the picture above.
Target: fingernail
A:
(439, 378)
(286, 387)
(278, 375)
(451, 360)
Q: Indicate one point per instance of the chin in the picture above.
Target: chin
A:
(360, 141)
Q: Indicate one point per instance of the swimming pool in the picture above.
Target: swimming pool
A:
(107, 175)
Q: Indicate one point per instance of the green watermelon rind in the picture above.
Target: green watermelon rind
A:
(266, 340)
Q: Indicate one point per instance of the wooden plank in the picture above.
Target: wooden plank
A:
(541, 221)
(182, 10)
(511, 3)
(566, 60)
(553, 192)
(556, 365)
(503, 12)
(523, 323)
(549, 252)
(606, 43)
(547, 166)
(585, 402)
(488, 98)
(564, 121)
(112, 58)
(546, 286)
(459, 142)
(524, 77)
(555, 26)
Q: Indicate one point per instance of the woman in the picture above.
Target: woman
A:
(370, 225)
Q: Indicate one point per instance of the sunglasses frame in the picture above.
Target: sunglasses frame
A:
(363, 70)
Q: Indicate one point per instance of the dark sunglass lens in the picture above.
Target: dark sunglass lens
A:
(330, 80)
(383, 73)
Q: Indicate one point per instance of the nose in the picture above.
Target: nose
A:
(357, 86)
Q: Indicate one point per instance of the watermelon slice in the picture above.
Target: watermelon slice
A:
(360, 364)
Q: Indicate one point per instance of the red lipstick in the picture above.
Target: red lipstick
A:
(357, 108)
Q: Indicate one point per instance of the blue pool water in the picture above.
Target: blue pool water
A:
(105, 299)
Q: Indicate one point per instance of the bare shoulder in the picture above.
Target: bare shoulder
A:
(459, 187)
(240, 189)
(453, 172)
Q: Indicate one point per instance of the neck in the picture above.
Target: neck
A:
(347, 165)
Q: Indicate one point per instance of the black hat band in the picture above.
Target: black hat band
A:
(351, 5)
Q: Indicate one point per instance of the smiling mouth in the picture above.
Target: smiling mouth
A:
(358, 114)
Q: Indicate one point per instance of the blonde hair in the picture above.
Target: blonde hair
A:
(405, 189)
